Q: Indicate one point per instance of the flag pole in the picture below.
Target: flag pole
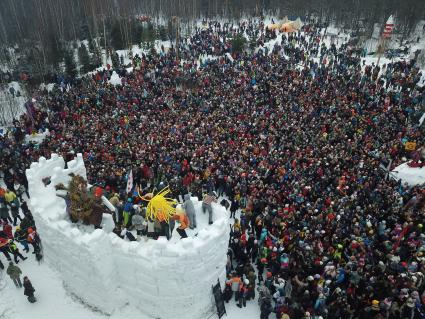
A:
(388, 28)
(381, 49)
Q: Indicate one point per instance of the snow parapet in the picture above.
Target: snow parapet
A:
(411, 175)
(162, 279)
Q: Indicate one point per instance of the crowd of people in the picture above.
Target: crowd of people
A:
(12, 234)
(293, 135)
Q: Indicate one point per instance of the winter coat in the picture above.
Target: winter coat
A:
(9, 196)
(266, 308)
(28, 288)
(188, 206)
(13, 271)
(4, 212)
(182, 218)
(252, 277)
(137, 221)
(114, 200)
(15, 208)
(235, 283)
(8, 231)
(13, 248)
(208, 199)
(20, 235)
(151, 226)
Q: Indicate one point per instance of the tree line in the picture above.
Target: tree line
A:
(40, 36)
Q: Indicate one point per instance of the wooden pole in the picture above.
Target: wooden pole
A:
(381, 49)
(176, 22)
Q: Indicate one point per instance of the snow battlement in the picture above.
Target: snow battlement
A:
(163, 279)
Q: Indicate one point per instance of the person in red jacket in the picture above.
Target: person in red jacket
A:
(4, 248)
(7, 229)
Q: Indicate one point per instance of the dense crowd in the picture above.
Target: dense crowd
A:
(12, 234)
(294, 135)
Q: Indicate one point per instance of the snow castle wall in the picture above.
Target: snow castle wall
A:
(163, 279)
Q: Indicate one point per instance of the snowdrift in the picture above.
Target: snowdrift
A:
(410, 175)
(162, 279)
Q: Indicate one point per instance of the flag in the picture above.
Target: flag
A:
(388, 29)
(130, 182)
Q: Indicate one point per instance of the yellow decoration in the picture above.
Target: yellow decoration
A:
(410, 146)
(160, 207)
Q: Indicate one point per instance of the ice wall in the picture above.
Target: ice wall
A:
(410, 175)
(163, 279)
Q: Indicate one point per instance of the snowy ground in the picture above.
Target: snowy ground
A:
(54, 300)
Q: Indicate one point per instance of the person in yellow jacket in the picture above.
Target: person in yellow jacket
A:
(9, 197)
(182, 218)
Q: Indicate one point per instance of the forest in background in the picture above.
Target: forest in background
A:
(41, 36)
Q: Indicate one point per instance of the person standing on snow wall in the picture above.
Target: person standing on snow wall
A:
(206, 204)
(184, 223)
(190, 211)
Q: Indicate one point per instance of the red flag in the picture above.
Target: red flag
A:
(389, 27)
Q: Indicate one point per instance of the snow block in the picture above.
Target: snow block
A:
(164, 279)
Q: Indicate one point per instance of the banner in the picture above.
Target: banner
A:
(410, 146)
(130, 181)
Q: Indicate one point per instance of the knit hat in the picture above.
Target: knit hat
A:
(410, 303)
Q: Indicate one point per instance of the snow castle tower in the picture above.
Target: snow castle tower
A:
(163, 279)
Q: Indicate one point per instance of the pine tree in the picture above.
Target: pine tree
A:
(162, 33)
(96, 60)
(70, 65)
(55, 51)
(117, 41)
(92, 45)
(238, 43)
(137, 31)
(115, 60)
(84, 57)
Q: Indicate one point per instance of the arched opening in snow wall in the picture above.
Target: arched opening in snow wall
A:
(162, 279)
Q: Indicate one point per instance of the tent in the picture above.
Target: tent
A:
(286, 25)
(274, 26)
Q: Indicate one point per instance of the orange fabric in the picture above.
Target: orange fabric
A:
(182, 218)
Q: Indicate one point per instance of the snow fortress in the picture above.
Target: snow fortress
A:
(163, 279)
